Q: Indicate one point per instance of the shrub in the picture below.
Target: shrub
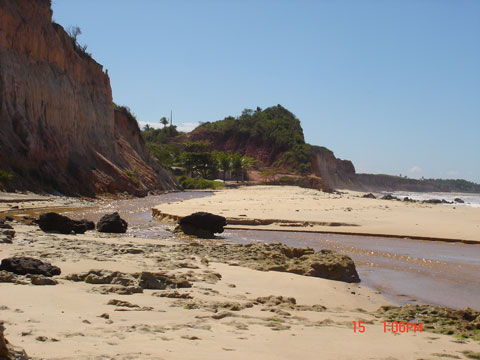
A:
(5, 176)
(133, 175)
(198, 184)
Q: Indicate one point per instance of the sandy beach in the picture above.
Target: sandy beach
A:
(229, 311)
(290, 208)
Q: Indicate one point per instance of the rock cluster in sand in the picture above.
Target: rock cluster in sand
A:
(325, 264)
(6, 233)
(126, 284)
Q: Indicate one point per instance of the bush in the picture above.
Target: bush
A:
(189, 183)
(133, 175)
(159, 136)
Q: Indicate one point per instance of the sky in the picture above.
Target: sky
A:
(393, 85)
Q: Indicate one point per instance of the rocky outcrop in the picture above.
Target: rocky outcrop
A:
(112, 223)
(58, 127)
(23, 265)
(53, 222)
(325, 264)
(202, 224)
(127, 284)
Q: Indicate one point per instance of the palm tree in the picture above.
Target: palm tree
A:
(164, 121)
(237, 165)
(247, 163)
(225, 163)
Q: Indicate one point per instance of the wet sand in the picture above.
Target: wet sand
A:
(404, 270)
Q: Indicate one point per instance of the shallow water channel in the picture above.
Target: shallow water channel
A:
(404, 270)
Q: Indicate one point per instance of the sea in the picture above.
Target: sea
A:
(471, 200)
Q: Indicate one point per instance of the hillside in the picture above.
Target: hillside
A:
(59, 127)
(275, 139)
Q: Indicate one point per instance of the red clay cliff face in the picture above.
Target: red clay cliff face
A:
(240, 143)
(58, 127)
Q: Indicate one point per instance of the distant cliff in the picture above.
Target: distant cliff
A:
(340, 174)
(336, 173)
(58, 127)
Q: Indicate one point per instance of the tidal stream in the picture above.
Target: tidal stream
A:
(403, 270)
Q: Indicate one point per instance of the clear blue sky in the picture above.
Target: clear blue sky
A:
(393, 86)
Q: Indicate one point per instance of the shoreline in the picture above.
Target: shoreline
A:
(469, 242)
(232, 224)
(291, 208)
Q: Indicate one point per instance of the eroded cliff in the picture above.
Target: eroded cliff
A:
(336, 173)
(58, 127)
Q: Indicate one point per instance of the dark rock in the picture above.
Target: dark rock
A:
(437, 201)
(432, 201)
(112, 223)
(53, 222)
(369, 196)
(27, 265)
(459, 201)
(5, 226)
(407, 199)
(389, 197)
(202, 224)
(90, 225)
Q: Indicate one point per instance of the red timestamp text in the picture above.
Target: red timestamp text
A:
(393, 327)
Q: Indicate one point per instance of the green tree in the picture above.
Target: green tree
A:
(240, 164)
(199, 164)
(164, 121)
(224, 160)
(197, 146)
